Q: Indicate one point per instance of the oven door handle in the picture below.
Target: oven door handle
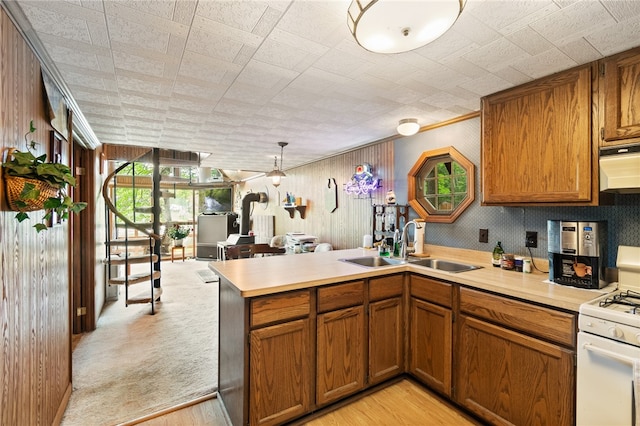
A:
(622, 358)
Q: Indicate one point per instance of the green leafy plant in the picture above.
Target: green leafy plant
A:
(177, 232)
(27, 166)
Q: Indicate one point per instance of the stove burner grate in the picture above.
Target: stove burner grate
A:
(624, 298)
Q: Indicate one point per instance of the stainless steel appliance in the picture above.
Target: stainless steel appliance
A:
(577, 253)
(608, 361)
(213, 228)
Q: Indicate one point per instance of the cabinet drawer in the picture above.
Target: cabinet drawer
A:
(431, 290)
(543, 322)
(281, 307)
(340, 296)
(385, 287)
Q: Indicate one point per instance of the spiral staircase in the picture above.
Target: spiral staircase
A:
(130, 243)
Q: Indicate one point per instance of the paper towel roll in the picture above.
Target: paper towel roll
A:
(367, 241)
(418, 239)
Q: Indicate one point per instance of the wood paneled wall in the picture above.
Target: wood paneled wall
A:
(345, 227)
(35, 337)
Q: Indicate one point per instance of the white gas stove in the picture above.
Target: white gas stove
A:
(617, 313)
(608, 351)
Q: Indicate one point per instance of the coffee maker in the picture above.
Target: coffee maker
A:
(577, 253)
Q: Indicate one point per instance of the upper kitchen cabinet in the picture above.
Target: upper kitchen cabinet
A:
(537, 145)
(620, 99)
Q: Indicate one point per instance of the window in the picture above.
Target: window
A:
(441, 185)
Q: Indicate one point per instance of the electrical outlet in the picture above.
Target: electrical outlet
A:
(484, 236)
(531, 239)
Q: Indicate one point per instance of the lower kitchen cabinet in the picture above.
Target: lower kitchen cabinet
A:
(385, 339)
(279, 342)
(509, 378)
(386, 328)
(430, 333)
(285, 355)
(341, 344)
(430, 341)
(505, 374)
(340, 354)
(276, 397)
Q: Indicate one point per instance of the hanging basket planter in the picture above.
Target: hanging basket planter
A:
(19, 191)
(32, 183)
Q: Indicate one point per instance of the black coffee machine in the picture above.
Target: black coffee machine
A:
(577, 253)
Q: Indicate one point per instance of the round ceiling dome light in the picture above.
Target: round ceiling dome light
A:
(395, 26)
(408, 126)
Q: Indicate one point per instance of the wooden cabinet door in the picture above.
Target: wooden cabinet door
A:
(537, 142)
(622, 98)
(510, 378)
(340, 354)
(386, 337)
(281, 368)
(430, 340)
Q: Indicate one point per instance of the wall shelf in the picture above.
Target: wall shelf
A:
(292, 211)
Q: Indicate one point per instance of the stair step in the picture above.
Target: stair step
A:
(135, 278)
(132, 241)
(145, 298)
(141, 258)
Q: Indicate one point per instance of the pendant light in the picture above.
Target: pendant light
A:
(277, 174)
(395, 26)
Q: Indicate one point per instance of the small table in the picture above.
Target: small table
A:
(222, 250)
(173, 249)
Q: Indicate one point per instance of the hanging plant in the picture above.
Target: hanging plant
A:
(33, 184)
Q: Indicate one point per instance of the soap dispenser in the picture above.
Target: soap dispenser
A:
(383, 248)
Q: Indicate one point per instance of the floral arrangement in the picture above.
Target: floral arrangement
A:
(177, 232)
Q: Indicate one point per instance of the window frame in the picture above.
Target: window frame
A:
(417, 175)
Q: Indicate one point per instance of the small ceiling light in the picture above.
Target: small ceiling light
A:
(277, 174)
(408, 126)
(392, 26)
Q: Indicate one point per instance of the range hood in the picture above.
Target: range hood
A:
(620, 169)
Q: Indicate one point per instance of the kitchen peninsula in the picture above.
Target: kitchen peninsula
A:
(299, 332)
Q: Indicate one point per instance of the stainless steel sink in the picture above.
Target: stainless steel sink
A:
(444, 265)
(374, 261)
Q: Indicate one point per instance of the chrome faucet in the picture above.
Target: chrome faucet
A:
(404, 249)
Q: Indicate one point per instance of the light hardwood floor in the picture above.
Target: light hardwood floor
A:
(403, 403)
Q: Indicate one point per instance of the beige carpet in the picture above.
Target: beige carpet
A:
(135, 364)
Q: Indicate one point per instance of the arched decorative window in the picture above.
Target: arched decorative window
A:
(441, 185)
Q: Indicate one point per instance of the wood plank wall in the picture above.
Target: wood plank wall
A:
(345, 227)
(35, 337)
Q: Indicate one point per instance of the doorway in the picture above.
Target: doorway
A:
(82, 242)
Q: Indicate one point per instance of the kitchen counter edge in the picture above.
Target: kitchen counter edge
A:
(275, 274)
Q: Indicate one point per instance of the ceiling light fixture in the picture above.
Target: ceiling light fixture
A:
(277, 174)
(408, 126)
(391, 26)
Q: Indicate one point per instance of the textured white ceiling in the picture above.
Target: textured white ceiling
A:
(232, 78)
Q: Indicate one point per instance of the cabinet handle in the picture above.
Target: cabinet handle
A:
(622, 358)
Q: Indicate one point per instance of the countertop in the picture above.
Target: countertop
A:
(268, 275)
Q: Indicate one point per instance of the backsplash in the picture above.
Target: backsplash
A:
(506, 224)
